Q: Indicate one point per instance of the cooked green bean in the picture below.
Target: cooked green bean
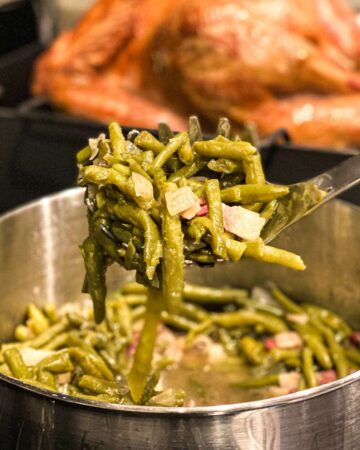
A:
(253, 350)
(173, 256)
(147, 141)
(177, 321)
(286, 302)
(248, 193)
(141, 367)
(353, 355)
(233, 150)
(213, 196)
(308, 367)
(95, 275)
(270, 323)
(255, 383)
(258, 250)
(117, 141)
(16, 364)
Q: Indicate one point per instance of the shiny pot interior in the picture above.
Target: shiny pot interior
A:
(40, 261)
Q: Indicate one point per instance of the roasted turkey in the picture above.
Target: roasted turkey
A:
(277, 63)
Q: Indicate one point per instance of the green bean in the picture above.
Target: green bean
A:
(83, 156)
(286, 302)
(47, 379)
(57, 342)
(223, 128)
(213, 196)
(37, 321)
(152, 245)
(133, 288)
(229, 344)
(225, 166)
(231, 179)
(141, 366)
(23, 333)
(95, 275)
(4, 369)
(138, 313)
(329, 318)
(216, 149)
(272, 324)
(337, 353)
(188, 171)
(202, 327)
(38, 384)
(253, 350)
(258, 250)
(234, 249)
(293, 363)
(315, 344)
(117, 141)
(173, 256)
(174, 145)
(282, 354)
(122, 169)
(308, 367)
(100, 386)
(254, 170)
(16, 364)
(208, 295)
(49, 334)
(177, 321)
(353, 354)
(147, 141)
(186, 154)
(90, 364)
(165, 133)
(255, 383)
(193, 312)
(51, 314)
(268, 210)
(59, 362)
(136, 167)
(195, 133)
(248, 193)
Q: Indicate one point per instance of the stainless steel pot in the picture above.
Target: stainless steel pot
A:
(40, 260)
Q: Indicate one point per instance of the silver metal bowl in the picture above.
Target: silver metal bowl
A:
(40, 261)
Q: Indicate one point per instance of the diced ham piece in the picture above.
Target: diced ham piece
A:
(301, 319)
(32, 356)
(203, 201)
(290, 380)
(288, 339)
(242, 222)
(326, 376)
(142, 186)
(63, 378)
(203, 211)
(276, 391)
(270, 343)
(355, 337)
(180, 200)
(191, 212)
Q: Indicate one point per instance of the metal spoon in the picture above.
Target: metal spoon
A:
(303, 198)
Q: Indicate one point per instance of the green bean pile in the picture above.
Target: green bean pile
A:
(156, 204)
(293, 346)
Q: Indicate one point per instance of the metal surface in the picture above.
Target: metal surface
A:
(40, 261)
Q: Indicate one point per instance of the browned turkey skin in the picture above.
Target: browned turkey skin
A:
(278, 63)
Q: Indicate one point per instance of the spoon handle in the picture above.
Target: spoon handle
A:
(340, 178)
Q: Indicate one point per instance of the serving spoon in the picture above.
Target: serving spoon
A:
(304, 197)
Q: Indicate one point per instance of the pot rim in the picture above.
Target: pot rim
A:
(216, 410)
(283, 400)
